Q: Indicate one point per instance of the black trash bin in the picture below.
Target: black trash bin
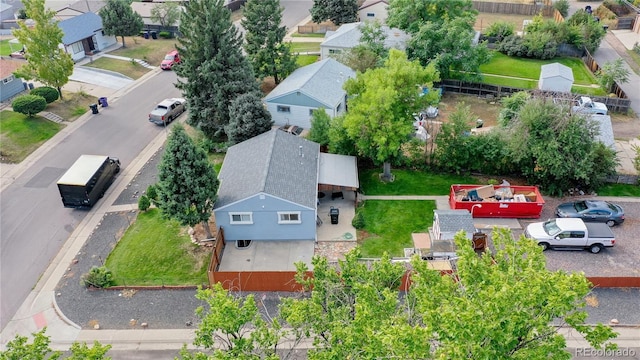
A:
(334, 214)
(146, 34)
(154, 35)
(103, 102)
(94, 108)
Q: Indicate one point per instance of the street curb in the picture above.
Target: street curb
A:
(61, 315)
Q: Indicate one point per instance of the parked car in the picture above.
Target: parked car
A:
(585, 105)
(167, 110)
(170, 59)
(592, 211)
(571, 233)
(292, 129)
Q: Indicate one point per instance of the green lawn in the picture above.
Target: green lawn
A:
(298, 47)
(6, 48)
(502, 64)
(510, 82)
(410, 182)
(154, 251)
(298, 35)
(304, 60)
(21, 135)
(389, 224)
(619, 190)
(127, 68)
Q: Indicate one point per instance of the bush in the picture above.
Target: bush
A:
(47, 92)
(144, 203)
(358, 221)
(29, 104)
(165, 34)
(500, 30)
(99, 277)
(562, 6)
(152, 193)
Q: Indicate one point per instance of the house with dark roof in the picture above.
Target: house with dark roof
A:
(10, 85)
(269, 187)
(348, 36)
(374, 10)
(83, 35)
(310, 87)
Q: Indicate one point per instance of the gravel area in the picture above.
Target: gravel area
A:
(146, 176)
(621, 260)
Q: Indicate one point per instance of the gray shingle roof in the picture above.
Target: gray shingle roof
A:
(556, 69)
(275, 163)
(455, 220)
(348, 36)
(321, 81)
(80, 27)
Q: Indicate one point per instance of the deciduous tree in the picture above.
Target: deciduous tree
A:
(382, 102)
(213, 71)
(46, 61)
(320, 124)
(39, 349)
(370, 52)
(612, 72)
(166, 13)
(264, 37)
(249, 118)
(410, 15)
(338, 11)
(188, 184)
(119, 19)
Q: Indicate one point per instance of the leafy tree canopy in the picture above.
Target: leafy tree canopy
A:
(337, 11)
(119, 19)
(264, 36)
(320, 124)
(39, 349)
(382, 102)
(166, 13)
(188, 184)
(213, 71)
(249, 118)
(410, 15)
(46, 61)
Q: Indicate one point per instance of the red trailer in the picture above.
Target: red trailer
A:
(497, 201)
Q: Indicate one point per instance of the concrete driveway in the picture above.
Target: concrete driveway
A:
(99, 77)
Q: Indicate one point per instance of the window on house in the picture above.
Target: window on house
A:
(8, 79)
(241, 218)
(339, 108)
(284, 109)
(334, 51)
(371, 15)
(292, 217)
(311, 112)
(76, 47)
(243, 243)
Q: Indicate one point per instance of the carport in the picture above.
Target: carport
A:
(337, 188)
(337, 173)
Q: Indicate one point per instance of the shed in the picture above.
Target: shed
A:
(446, 223)
(555, 77)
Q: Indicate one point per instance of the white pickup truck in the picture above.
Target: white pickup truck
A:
(571, 233)
(587, 106)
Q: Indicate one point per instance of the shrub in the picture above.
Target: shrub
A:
(99, 277)
(500, 30)
(144, 203)
(513, 46)
(562, 6)
(29, 104)
(47, 92)
(358, 221)
(152, 193)
(165, 34)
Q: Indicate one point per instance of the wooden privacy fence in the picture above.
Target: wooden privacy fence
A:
(216, 256)
(511, 8)
(316, 29)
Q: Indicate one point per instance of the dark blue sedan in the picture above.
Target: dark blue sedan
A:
(592, 211)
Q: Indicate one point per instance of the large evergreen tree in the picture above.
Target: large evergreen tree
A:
(249, 118)
(263, 36)
(46, 61)
(381, 107)
(188, 183)
(338, 11)
(119, 19)
(213, 71)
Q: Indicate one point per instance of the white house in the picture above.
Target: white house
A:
(83, 35)
(311, 87)
(348, 36)
(374, 10)
(555, 77)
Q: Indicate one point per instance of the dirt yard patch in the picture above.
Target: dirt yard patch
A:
(483, 108)
(484, 20)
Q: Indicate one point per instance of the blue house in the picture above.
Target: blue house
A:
(310, 87)
(10, 85)
(83, 35)
(269, 187)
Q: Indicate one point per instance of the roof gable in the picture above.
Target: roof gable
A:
(348, 36)
(556, 69)
(80, 27)
(275, 163)
(321, 81)
(369, 3)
